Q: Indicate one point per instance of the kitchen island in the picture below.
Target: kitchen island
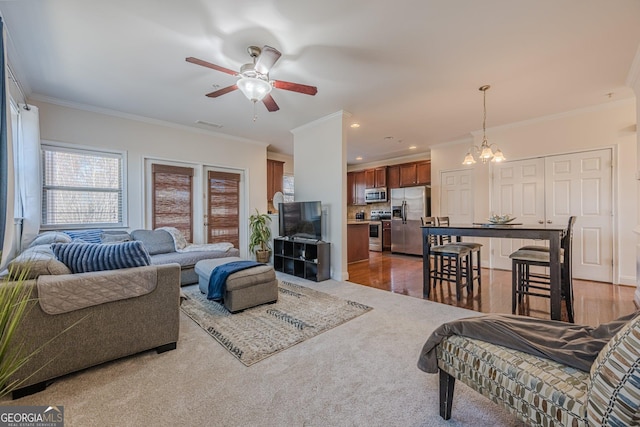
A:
(357, 241)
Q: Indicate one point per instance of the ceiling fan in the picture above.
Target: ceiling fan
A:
(253, 78)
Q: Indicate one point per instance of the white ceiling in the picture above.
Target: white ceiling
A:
(407, 69)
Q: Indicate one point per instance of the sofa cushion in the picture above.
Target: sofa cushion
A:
(115, 237)
(155, 241)
(87, 257)
(34, 262)
(49, 237)
(89, 236)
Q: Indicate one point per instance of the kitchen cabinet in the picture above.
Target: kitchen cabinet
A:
(407, 174)
(275, 174)
(356, 181)
(386, 235)
(415, 173)
(357, 241)
(423, 173)
(351, 183)
(376, 178)
(393, 176)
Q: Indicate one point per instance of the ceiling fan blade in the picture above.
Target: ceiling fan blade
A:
(222, 91)
(267, 58)
(270, 103)
(295, 87)
(210, 65)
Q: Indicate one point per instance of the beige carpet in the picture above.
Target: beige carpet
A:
(259, 332)
(361, 373)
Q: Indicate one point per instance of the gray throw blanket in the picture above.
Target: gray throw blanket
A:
(572, 345)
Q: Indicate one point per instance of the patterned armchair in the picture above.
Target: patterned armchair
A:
(541, 392)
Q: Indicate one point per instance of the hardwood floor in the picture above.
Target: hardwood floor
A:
(594, 302)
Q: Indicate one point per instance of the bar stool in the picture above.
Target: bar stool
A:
(525, 283)
(475, 248)
(449, 262)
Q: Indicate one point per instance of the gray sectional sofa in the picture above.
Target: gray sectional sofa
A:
(162, 249)
(70, 334)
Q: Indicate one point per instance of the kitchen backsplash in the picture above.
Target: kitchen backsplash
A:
(351, 209)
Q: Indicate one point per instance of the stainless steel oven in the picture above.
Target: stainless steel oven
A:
(375, 236)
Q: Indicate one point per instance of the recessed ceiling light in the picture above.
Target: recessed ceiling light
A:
(355, 125)
(358, 158)
(412, 147)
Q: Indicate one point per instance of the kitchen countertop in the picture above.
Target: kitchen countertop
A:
(357, 221)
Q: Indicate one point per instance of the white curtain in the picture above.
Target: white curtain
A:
(28, 173)
(9, 246)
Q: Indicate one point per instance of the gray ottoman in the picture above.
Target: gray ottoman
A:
(244, 289)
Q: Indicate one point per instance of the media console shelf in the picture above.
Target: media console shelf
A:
(308, 259)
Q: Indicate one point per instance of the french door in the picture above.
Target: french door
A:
(222, 216)
(547, 191)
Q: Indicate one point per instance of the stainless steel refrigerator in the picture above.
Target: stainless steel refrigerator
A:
(407, 206)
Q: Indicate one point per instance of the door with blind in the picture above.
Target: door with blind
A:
(172, 198)
(223, 202)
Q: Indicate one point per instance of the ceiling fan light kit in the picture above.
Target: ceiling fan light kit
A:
(253, 78)
(484, 152)
(254, 88)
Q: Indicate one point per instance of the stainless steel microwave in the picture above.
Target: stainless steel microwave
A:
(375, 195)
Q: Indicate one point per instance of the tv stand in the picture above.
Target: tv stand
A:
(306, 258)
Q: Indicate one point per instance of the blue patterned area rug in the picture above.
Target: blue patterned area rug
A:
(257, 333)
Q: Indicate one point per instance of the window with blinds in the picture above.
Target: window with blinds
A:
(82, 188)
(224, 208)
(172, 195)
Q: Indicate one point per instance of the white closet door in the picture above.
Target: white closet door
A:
(580, 184)
(518, 190)
(456, 196)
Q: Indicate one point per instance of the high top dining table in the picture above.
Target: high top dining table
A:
(552, 234)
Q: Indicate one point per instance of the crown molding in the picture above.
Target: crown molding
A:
(142, 119)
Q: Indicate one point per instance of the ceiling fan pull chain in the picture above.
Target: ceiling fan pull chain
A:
(255, 112)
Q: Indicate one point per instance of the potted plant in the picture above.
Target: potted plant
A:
(260, 235)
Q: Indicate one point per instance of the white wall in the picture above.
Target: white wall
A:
(610, 125)
(146, 138)
(320, 150)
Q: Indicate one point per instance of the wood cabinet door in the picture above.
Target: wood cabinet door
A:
(393, 176)
(370, 178)
(275, 174)
(359, 187)
(423, 173)
(350, 188)
(381, 177)
(407, 174)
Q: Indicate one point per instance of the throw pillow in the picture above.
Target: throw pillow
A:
(88, 257)
(34, 262)
(49, 237)
(89, 236)
(155, 241)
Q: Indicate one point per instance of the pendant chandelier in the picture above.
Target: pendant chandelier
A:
(484, 152)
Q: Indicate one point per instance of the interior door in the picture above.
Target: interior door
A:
(581, 184)
(456, 196)
(547, 191)
(223, 201)
(518, 190)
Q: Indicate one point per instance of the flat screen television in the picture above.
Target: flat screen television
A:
(302, 220)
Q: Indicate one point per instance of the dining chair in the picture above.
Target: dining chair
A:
(448, 262)
(526, 283)
(476, 272)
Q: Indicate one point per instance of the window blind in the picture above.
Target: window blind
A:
(173, 198)
(81, 188)
(224, 202)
